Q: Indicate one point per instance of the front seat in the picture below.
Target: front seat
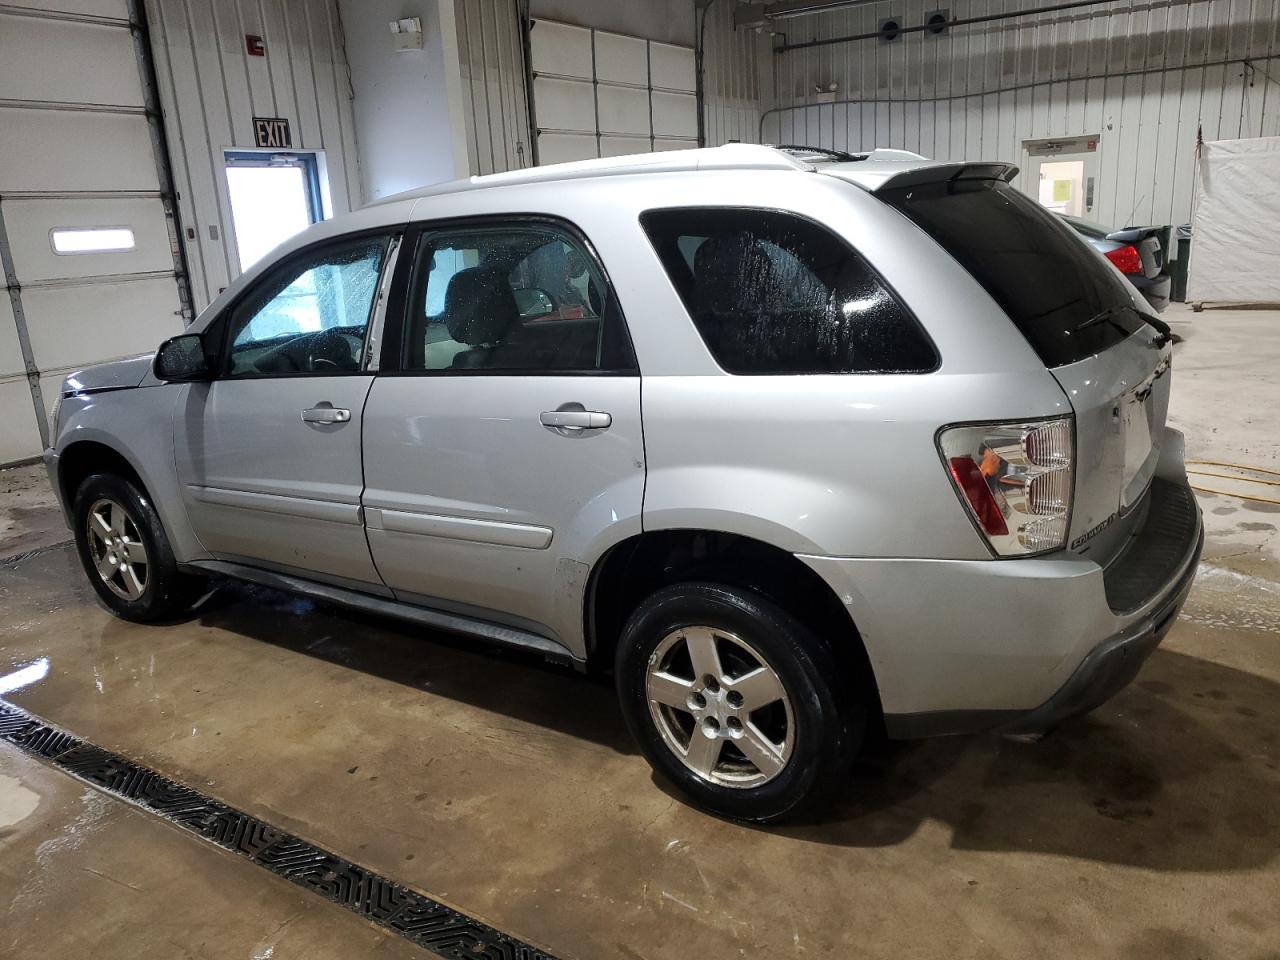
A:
(479, 310)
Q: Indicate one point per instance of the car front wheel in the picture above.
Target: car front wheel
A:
(125, 553)
(735, 701)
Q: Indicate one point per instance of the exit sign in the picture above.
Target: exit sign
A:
(271, 132)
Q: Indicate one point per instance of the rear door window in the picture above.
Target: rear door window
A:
(1049, 282)
(773, 293)
(521, 297)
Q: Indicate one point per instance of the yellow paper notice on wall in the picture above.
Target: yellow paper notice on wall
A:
(1061, 191)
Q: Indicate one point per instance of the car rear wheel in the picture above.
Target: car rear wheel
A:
(125, 552)
(735, 701)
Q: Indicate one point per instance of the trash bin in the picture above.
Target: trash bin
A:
(1182, 263)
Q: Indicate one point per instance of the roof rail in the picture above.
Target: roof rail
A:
(825, 155)
(731, 156)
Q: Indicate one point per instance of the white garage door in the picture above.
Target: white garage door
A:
(599, 94)
(85, 243)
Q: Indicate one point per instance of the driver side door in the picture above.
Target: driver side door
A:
(268, 453)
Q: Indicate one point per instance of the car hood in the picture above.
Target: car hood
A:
(110, 376)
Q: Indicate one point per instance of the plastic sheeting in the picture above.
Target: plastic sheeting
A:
(1235, 253)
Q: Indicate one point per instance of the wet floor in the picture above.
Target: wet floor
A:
(510, 790)
(84, 875)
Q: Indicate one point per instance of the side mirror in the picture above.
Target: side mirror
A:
(181, 359)
(533, 302)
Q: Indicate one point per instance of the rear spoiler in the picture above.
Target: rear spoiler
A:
(948, 173)
(1134, 234)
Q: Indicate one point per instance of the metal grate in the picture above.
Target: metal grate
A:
(419, 919)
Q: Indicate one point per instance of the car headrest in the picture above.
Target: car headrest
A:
(479, 306)
(733, 273)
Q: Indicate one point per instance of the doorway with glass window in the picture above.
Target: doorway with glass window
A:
(273, 195)
(1062, 175)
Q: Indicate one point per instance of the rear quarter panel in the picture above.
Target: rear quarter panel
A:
(842, 465)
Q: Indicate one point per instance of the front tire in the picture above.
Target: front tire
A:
(125, 553)
(736, 702)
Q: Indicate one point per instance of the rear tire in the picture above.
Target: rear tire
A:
(125, 553)
(736, 702)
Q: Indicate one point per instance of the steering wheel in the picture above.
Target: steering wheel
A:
(333, 350)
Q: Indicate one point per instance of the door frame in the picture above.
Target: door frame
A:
(320, 199)
(389, 353)
(1085, 147)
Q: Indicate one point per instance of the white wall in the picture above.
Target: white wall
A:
(407, 135)
(1142, 77)
(211, 90)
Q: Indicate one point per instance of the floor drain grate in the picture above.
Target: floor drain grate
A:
(419, 919)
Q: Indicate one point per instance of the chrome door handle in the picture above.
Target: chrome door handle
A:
(575, 420)
(326, 415)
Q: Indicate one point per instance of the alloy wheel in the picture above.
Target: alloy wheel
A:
(719, 707)
(117, 550)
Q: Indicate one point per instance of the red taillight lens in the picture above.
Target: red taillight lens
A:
(1126, 259)
(968, 477)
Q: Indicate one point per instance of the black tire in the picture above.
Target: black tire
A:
(166, 592)
(829, 719)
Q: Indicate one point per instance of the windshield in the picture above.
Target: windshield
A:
(1048, 282)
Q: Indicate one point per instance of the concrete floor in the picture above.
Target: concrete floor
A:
(1147, 830)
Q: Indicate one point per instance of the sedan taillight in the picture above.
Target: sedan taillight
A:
(1016, 481)
(1127, 259)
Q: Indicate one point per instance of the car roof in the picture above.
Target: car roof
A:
(732, 156)
(870, 170)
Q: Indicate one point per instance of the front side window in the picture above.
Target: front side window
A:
(524, 297)
(774, 293)
(309, 317)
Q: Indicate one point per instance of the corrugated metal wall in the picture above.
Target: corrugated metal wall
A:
(1141, 75)
(211, 90)
(496, 109)
(737, 75)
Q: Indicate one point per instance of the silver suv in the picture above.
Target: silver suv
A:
(796, 449)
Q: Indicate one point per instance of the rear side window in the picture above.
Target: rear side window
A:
(1048, 280)
(773, 293)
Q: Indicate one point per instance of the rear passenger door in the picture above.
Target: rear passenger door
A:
(502, 441)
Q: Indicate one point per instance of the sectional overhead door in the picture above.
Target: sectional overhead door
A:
(85, 243)
(599, 94)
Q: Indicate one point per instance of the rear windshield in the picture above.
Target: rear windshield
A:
(1047, 279)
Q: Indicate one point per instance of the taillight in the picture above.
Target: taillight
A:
(1016, 481)
(1127, 259)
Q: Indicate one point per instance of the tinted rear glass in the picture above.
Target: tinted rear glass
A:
(773, 293)
(1045, 277)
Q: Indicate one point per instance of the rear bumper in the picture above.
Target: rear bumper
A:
(1018, 645)
(1111, 665)
(1156, 289)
